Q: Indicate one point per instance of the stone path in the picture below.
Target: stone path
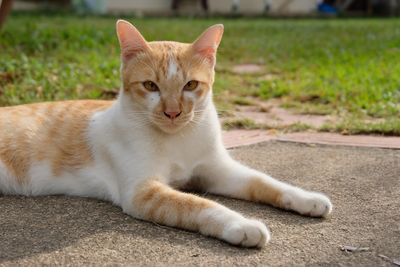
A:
(237, 138)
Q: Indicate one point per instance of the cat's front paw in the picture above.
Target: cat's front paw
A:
(246, 233)
(307, 203)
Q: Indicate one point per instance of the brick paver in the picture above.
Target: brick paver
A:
(236, 138)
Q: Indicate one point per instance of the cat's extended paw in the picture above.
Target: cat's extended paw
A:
(246, 233)
(307, 203)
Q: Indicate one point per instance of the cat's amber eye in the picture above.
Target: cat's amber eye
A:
(151, 86)
(191, 85)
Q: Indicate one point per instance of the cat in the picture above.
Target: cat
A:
(160, 135)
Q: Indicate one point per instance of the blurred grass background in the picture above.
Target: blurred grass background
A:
(347, 67)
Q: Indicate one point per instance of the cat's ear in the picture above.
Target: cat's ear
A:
(208, 42)
(130, 40)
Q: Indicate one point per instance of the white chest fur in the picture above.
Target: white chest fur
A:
(135, 153)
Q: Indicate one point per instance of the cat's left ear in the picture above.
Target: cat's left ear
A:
(208, 42)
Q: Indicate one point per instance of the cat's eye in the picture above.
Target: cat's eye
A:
(151, 86)
(191, 85)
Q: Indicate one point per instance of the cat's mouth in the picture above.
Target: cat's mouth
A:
(173, 126)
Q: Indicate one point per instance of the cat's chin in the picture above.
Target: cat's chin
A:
(171, 128)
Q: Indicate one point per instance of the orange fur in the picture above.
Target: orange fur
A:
(46, 131)
(260, 191)
(160, 203)
(153, 65)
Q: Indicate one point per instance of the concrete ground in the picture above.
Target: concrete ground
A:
(363, 183)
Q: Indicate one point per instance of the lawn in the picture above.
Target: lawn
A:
(348, 68)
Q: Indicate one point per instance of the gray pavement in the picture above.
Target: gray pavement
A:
(363, 183)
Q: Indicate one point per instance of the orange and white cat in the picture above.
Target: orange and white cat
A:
(161, 134)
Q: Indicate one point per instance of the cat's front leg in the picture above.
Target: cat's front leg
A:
(225, 176)
(154, 201)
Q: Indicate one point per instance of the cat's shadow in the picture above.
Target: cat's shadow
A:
(31, 226)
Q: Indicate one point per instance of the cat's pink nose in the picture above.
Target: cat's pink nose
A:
(172, 114)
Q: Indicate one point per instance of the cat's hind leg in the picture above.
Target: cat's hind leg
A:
(159, 203)
(224, 176)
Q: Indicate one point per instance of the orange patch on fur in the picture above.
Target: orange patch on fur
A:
(260, 191)
(55, 132)
(14, 157)
(201, 92)
(140, 92)
(162, 204)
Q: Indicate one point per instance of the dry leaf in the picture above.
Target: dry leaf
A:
(353, 249)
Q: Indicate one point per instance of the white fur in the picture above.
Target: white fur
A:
(8, 184)
(190, 96)
(127, 152)
(238, 230)
(153, 99)
(172, 68)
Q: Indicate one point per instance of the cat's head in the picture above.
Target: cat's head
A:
(169, 83)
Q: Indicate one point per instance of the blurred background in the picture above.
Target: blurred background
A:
(283, 65)
(220, 7)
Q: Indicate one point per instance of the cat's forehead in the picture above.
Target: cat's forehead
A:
(168, 46)
(172, 59)
(169, 53)
(169, 63)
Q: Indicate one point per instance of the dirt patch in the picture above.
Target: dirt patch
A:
(276, 116)
(269, 113)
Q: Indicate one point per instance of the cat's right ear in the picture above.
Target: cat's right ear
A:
(130, 40)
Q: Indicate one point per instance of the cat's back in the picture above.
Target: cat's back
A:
(46, 108)
(44, 118)
(51, 132)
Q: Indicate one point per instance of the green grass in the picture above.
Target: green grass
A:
(239, 123)
(249, 124)
(348, 67)
(354, 126)
(241, 101)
